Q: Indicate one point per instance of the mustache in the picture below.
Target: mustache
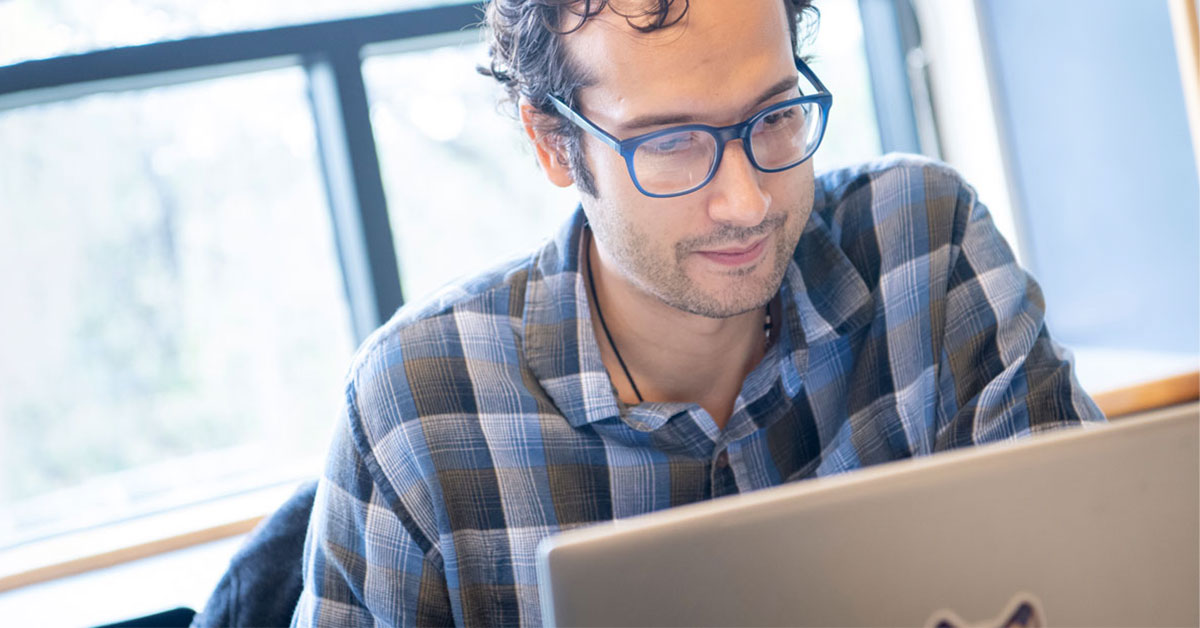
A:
(726, 235)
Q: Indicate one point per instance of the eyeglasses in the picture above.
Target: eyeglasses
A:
(682, 159)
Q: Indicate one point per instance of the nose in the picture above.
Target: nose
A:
(735, 194)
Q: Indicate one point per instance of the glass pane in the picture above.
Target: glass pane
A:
(839, 58)
(175, 323)
(463, 188)
(37, 29)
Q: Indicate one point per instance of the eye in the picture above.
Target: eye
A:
(776, 118)
(671, 144)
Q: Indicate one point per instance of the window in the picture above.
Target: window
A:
(839, 58)
(181, 325)
(483, 199)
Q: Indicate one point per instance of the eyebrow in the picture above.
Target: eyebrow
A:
(656, 119)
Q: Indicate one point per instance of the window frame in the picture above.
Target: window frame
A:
(331, 54)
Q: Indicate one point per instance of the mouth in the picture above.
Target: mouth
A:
(737, 256)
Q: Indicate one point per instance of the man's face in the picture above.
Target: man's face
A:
(723, 249)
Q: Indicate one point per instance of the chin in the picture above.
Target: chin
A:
(739, 290)
(727, 296)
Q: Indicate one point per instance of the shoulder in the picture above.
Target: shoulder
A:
(887, 212)
(864, 195)
(423, 362)
(447, 357)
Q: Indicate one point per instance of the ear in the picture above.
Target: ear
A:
(547, 146)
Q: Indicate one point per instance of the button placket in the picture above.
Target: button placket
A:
(722, 478)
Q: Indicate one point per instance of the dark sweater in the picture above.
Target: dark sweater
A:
(263, 581)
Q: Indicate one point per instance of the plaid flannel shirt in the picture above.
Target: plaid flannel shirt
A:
(482, 421)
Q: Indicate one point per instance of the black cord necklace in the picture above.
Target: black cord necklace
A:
(608, 334)
(604, 326)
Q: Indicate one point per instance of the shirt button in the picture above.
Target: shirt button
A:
(723, 460)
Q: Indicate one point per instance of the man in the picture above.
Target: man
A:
(714, 320)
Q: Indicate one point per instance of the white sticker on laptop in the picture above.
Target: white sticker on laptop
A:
(1023, 611)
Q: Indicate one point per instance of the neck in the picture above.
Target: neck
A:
(671, 355)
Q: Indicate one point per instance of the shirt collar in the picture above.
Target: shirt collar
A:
(560, 347)
(824, 298)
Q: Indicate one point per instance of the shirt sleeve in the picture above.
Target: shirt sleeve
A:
(363, 564)
(1000, 375)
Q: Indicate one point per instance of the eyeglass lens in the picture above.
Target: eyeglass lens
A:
(678, 162)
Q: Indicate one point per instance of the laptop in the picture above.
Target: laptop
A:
(1083, 527)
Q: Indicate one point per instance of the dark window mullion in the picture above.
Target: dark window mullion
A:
(354, 187)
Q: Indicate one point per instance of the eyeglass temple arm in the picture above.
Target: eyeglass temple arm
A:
(808, 74)
(587, 125)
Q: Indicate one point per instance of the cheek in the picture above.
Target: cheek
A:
(805, 185)
(792, 192)
(636, 221)
(796, 185)
(609, 171)
(638, 234)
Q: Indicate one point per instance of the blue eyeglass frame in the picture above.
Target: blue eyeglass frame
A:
(626, 148)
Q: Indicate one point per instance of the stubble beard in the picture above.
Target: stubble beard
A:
(743, 290)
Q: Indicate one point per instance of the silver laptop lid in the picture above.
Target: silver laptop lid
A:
(1097, 527)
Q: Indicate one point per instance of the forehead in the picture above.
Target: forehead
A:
(719, 55)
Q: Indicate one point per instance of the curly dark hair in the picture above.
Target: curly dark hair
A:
(528, 58)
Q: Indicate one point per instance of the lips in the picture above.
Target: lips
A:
(736, 256)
